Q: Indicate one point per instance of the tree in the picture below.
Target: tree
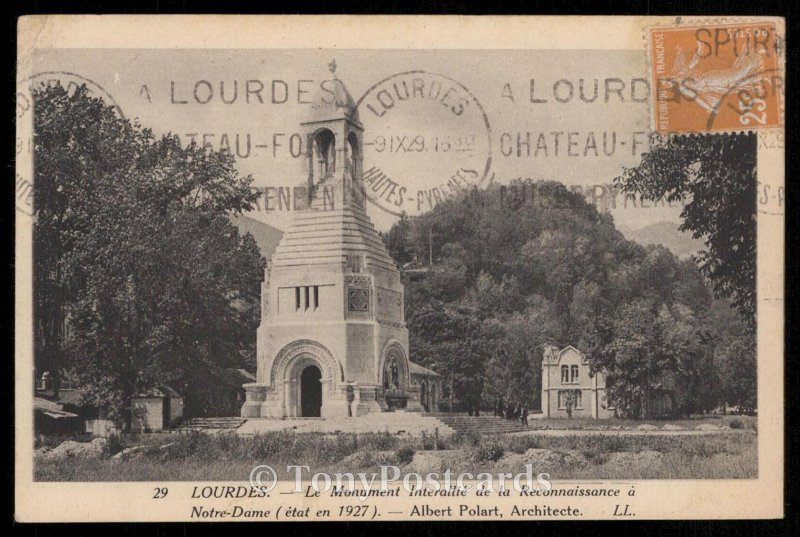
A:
(650, 342)
(508, 279)
(159, 286)
(631, 357)
(77, 139)
(717, 175)
(737, 367)
(514, 368)
(449, 340)
(397, 241)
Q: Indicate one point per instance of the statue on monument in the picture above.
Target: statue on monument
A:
(395, 382)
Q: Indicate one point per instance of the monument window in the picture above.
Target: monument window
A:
(355, 262)
(564, 374)
(305, 297)
(573, 374)
(323, 155)
(353, 155)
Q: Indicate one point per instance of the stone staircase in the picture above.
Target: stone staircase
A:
(209, 424)
(484, 424)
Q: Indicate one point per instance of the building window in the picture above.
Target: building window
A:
(569, 374)
(577, 399)
(296, 298)
(316, 296)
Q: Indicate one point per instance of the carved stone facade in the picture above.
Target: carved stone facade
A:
(332, 341)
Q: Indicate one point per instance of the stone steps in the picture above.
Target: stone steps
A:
(484, 425)
(205, 424)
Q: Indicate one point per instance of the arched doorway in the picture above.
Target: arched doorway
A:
(423, 396)
(310, 392)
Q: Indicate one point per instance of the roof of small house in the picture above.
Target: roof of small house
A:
(236, 377)
(416, 369)
(553, 353)
(51, 409)
(69, 397)
(160, 391)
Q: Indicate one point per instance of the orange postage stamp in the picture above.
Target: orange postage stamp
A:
(716, 77)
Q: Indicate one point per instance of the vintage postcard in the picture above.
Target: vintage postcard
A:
(286, 268)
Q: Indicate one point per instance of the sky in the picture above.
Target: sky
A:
(477, 116)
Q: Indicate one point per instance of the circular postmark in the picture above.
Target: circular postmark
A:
(24, 142)
(426, 137)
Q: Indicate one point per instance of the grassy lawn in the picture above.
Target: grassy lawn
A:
(230, 457)
(747, 422)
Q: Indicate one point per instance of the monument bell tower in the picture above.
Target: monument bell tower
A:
(333, 340)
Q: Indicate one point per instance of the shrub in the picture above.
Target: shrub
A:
(466, 438)
(521, 444)
(430, 441)
(709, 446)
(269, 446)
(736, 423)
(53, 440)
(596, 448)
(185, 445)
(405, 455)
(377, 441)
(488, 451)
(115, 442)
(343, 445)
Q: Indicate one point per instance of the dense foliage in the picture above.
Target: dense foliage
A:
(510, 274)
(140, 278)
(716, 175)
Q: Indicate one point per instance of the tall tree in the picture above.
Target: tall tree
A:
(716, 174)
(157, 284)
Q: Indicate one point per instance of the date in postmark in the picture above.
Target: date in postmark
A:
(716, 77)
(429, 137)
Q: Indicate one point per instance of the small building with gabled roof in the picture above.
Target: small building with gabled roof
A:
(570, 388)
